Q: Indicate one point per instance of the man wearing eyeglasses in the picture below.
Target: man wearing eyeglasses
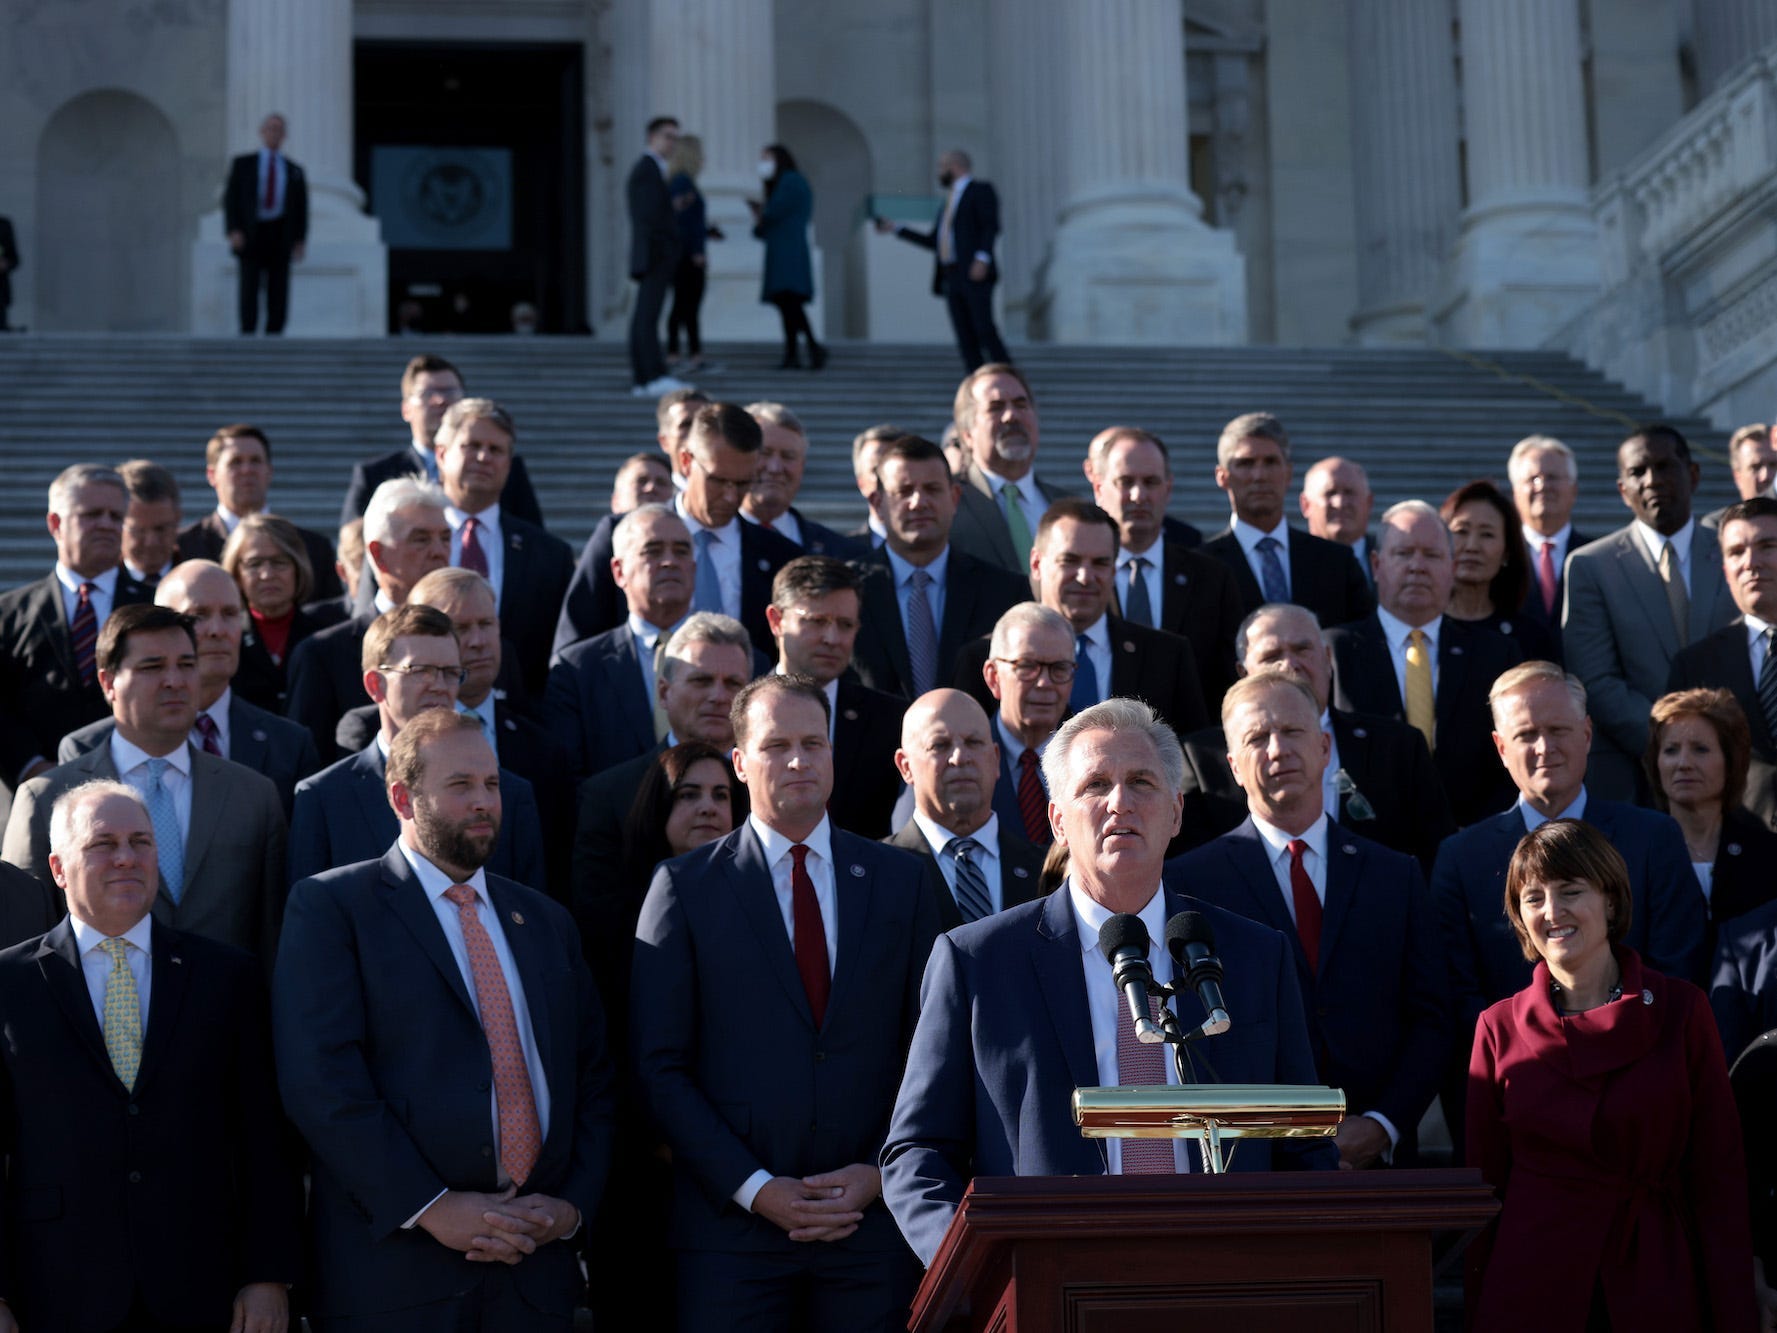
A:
(411, 663)
(1030, 672)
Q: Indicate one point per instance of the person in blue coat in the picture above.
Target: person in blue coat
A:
(781, 221)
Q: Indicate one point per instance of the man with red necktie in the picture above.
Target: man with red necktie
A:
(266, 212)
(1030, 671)
(775, 987)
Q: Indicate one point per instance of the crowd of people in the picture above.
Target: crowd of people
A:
(704, 909)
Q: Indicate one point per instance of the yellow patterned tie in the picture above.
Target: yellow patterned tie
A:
(123, 1014)
(1422, 710)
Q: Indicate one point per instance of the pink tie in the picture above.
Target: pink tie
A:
(1138, 1063)
(212, 734)
(520, 1136)
(473, 556)
(1545, 574)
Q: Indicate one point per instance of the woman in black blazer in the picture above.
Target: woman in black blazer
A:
(266, 557)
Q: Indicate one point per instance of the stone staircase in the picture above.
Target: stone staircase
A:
(1423, 422)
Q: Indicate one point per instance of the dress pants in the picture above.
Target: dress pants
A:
(492, 1305)
(971, 315)
(266, 254)
(645, 360)
(815, 1288)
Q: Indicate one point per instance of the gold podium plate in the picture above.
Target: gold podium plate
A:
(1228, 1110)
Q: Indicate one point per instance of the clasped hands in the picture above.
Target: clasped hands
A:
(827, 1206)
(498, 1228)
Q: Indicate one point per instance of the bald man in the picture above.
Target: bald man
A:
(1336, 500)
(949, 759)
(227, 726)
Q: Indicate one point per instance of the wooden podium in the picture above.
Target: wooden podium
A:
(1332, 1252)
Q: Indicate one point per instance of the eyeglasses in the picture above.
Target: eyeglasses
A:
(726, 484)
(428, 674)
(267, 564)
(1028, 670)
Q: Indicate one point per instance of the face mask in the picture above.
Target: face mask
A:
(947, 179)
(767, 168)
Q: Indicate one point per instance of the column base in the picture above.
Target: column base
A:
(1518, 275)
(1146, 272)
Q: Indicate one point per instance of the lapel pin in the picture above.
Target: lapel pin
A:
(1350, 849)
(765, 566)
(1456, 650)
(511, 725)
(258, 734)
(517, 541)
(1359, 732)
(1733, 849)
(857, 871)
(1129, 645)
(1019, 872)
(851, 715)
(1505, 627)
(1647, 997)
(174, 958)
(1179, 579)
(518, 918)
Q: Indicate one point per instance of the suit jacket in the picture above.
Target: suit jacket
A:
(980, 528)
(1021, 870)
(731, 1063)
(1743, 978)
(1324, 577)
(1533, 609)
(595, 701)
(1388, 765)
(653, 234)
(1147, 664)
(518, 499)
(1200, 601)
(327, 679)
(204, 540)
(42, 697)
(1005, 1037)
(234, 849)
(240, 201)
(264, 742)
(1741, 878)
(1378, 1003)
(538, 568)
(976, 594)
(187, 1184)
(266, 682)
(974, 227)
(866, 783)
(1469, 661)
(1619, 639)
(385, 1069)
(1722, 661)
(28, 905)
(819, 539)
(594, 603)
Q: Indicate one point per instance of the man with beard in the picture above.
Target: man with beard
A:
(442, 1050)
(1002, 497)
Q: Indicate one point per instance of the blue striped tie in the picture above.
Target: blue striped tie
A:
(922, 634)
(972, 897)
(706, 592)
(169, 843)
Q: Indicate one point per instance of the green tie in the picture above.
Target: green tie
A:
(1015, 522)
(123, 1014)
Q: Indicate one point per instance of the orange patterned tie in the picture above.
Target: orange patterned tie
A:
(520, 1136)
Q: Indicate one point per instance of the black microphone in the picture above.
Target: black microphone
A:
(1123, 940)
(1192, 945)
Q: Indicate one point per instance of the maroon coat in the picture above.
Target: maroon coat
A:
(1613, 1139)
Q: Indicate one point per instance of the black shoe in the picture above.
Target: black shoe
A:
(790, 362)
(817, 356)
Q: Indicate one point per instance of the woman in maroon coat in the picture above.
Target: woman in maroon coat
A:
(1599, 1107)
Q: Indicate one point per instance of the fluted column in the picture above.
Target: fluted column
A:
(1728, 33)
(1132, 259)
(1527, 259)
(714, 67)
(1404, 151)
(1022, 66)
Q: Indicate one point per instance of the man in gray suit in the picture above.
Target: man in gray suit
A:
(1002, 497)
(226, 726)
(1635, 598)
(218, 826)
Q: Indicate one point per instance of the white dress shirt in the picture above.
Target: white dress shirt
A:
(987, 839)
(1155, 555)
(1329, 780)
(95, 964)
(273, 163)
(131, 763)
(1654, 541)
(1098, 652)
(1105, 1004)
(1535, 819)
(102, 597)
(784, 525)
(1560, 539)
(428, 460)
(1399, 634)
(1249, 538)
(1012, 748)
(487, 535)
(724, 553)
(218, 713)
(939, 569)
(230, 519)
(647, 638)
(1755, 644)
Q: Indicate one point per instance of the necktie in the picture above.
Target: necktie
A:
(662, 723)
(1085, 691)
(922, 634)
(946, 237)
(1016, 523)
(169, 842)
(123, 1014)
(1307, 903)
(1276, 586)
(271, 182)
(1767, 681)
(486, 719)
(1138, 606)
(473, 557)
(1422, 710)
(706, 592)
(972, 897)
(1677, 599)
(1545, 575)
(1033, 801)
(1139, 1064)
(521, 1138)
(811, 936)
(85, 631)
(212, 734)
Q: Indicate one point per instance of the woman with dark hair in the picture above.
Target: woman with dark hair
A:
(688, 281)
(266, 556)
(782, 223)
(1599, 1108)
(1699, 748)
(1492, 567)
(687, 798)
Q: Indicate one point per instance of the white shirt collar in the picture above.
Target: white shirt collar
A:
(958, 185)
(127, 756)
(106, 583)
(488, 518)
(1025, 485)
(1398, 631)
(1090, 916)
(903, 569)
(1012, 746)
(730, 531)
(230, 519)
(939, 837)
(1755, 628)
(1249, 537)
(1535, 819)
(218, 712)
(648, 632)
(434, 881)
(1681, 541)
(777, 846)
(659, 161)
(1558, 539)
(1279, 841)
(1098, 633)
(88, 937)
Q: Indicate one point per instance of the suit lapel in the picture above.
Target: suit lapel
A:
(993, 522)
(637, 717)
(166, 994)
(853, 897)
(372, 799)
(52, 618)
(530, 958)
(247, 744)
(408, 901)
(882, 607)
(1453, 673)
(749, 879)
(755, 572)
(60, 964)
(1641, 577)
(1251, 858)
(1708, 584)
(209, 796)
(1344, 867)
(847, 724)
(1061, 977)
(959, 609)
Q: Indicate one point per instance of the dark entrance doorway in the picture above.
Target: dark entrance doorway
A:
(472, 157)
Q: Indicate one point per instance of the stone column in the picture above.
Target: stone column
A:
(1404, 153)
(1527, 259)
(1132, 260)
(1728, 33)
(714, 66)
(1022, 67)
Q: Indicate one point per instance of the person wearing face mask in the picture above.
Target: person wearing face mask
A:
(961, 242)
(781, 221)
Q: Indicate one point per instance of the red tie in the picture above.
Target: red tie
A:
(811, 936)
(1033, 802)
(1545, 574)
(207, 728)
(473, 556)
(84, 629)
(271, 182)
(1307, 905)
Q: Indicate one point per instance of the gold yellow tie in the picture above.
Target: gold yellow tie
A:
(1422, 709)
(123, 1014)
